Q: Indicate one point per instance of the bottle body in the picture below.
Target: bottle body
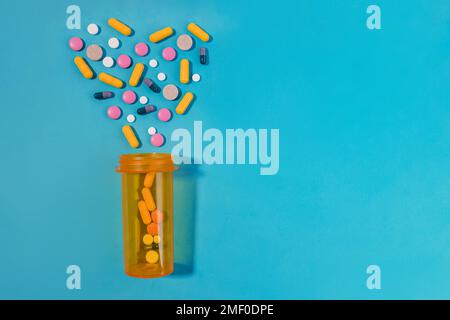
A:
(147, 215)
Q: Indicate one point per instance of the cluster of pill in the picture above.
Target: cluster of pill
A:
(152, 218)
(170, 92)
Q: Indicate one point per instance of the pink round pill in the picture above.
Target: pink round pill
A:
(141, 49)
(124, 61)
(129, 97)
(157, 140)
(114, 112)
(76, 43)
(164, 114)
(169, 53)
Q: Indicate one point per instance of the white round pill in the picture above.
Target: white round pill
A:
(153, 63)
(131, 118)
(143, 100)
(113, 43)
(93, 28)
(151, 131)
(161, 76)
(196, 77)
(108, 62)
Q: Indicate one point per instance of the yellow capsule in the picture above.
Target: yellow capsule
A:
(148, 180)
(161, 34)
(111, 80)
(198, 32)
(152, 256)
(156, 239)
(120, 26)
(184, 103)
(147, 239)
(129, 134)
(148, 198)
(84, 68)
(184, 71)
(136, 74)
(145, 214)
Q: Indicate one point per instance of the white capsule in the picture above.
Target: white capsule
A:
(151, 131)
(161, 76)
(113, 43)
(196, 77)
(108, 62)
(93, 28)
(153, 63)
(131, 118)
(143, 100)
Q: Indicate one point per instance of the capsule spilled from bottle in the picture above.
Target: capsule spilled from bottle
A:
(103, 95)
(203, 55)
(146, 109)
(153, 86)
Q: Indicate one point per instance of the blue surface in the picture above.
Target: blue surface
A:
(364, 152)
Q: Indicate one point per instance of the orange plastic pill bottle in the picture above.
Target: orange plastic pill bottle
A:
(152, 171)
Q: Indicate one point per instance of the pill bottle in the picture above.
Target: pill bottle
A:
(147, 214)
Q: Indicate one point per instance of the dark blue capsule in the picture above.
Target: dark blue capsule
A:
(203, 55)
(152, 85)
(103, 95)
(146, 109)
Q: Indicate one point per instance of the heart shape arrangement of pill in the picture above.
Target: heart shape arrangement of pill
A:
(171, 92)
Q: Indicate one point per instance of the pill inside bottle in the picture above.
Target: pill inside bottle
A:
(147, 208)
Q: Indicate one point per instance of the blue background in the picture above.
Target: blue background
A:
(364, 151)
